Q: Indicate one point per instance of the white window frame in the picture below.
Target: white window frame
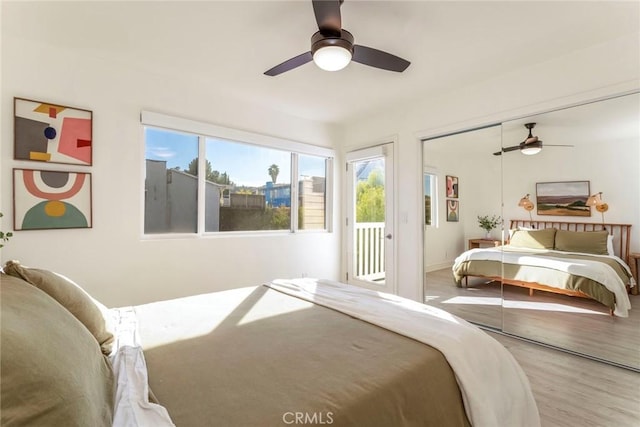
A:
(207, 130)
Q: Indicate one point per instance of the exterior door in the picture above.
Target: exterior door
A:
(369, 222)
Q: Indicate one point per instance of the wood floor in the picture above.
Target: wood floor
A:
(575, 391)
(578, 324)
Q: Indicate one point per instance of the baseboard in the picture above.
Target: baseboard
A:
(435, 267)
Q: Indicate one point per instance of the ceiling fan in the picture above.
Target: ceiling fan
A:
(332, 47)
(531, 145)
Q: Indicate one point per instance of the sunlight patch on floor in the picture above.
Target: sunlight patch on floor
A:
(522, 305)
(474, 300)
(549, 306)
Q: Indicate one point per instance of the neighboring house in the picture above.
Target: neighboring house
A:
(276, 195)
(171, 201)
(365, 169)
(311, 198)
(312, 201)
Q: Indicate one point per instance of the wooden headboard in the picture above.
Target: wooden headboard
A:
(621, 232)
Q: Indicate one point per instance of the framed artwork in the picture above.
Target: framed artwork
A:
(452, 187)
(52, 133)
(51, 199)
(453, 211)
(566, 198)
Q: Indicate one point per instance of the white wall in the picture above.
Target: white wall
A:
(111, 260)
(469, 157)
(602, 69)
(604, 139)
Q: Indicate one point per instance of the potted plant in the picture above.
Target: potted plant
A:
(4, 236)
(488, 223)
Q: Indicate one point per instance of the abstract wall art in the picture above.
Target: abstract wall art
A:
(453, 211)
(51, 199)
(452, 187)
(52, 133)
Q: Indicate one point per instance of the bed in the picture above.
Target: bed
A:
(284, 352)
(586, 260)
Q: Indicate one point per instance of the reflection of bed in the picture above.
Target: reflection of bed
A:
(305, 351)
(577, 259)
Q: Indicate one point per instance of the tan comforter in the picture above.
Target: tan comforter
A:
(257, 357)
(487, 263)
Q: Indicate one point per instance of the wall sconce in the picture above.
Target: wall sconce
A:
(527, 205)
(596, 200)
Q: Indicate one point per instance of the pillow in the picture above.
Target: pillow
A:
(610, 249)
(513, 230)
(589, 242)
(52, 372)
(87, 310)
(533, 239)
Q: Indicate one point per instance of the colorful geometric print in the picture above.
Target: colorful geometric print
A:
(52, 133)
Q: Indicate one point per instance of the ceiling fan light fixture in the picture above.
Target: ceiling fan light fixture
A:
(332, 58)
(530, 151)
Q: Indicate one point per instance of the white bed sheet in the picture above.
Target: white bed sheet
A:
(132, 407)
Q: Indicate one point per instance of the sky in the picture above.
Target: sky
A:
(244, 164)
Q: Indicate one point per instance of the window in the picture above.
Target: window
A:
(312, 189)
(255, 183)
(430, 199)
(246, 185)
(171, 183)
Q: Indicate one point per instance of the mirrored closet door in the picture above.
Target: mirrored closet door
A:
(461, 181)
(591, 149)
(574, 170)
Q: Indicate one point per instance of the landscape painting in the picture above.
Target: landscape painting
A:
(567, 198)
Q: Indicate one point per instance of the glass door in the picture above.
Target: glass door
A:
(369, 221)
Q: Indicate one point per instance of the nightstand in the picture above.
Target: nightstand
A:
(633, 263)
(484, 243)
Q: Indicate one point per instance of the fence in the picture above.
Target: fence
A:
(369, 251)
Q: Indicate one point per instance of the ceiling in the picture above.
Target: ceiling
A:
(226, 46)
(588, 126)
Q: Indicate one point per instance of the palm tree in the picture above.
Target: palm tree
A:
(274, 170)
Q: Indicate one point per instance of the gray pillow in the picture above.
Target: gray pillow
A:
(52, 372)
(589, 242)
(533, 239)
(87, 310)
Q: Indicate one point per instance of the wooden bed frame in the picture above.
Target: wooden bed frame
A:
(621, 244)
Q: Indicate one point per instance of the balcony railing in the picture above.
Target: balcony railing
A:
(369, 251)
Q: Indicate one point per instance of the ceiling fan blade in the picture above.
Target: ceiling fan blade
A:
(290, 64)
(506, 149)
(328, 16)
(379, 59)
(513, 148)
